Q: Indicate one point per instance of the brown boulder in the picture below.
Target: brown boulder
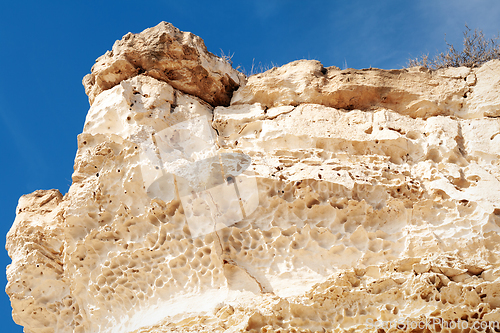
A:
(167, 54)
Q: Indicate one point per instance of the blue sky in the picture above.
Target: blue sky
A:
(47, 48)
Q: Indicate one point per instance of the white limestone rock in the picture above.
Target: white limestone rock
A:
(319, 200)
(484, 96)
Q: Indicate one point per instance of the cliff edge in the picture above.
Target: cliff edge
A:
(302, 199)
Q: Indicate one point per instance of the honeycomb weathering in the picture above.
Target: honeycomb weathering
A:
(317, 200)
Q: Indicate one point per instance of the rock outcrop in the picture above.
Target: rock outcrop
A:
(170, 55)
(318, 200)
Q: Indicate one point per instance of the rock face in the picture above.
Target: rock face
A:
(317, 200)
(167, 54)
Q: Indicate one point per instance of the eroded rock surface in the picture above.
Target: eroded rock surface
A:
(319, 200)
(416, 92)
(167, 54)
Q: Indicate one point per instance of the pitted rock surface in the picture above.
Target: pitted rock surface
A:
(319, 200)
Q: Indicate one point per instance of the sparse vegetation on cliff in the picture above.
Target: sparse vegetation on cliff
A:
(477, 50)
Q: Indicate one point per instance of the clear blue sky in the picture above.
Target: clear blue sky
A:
(47, 47)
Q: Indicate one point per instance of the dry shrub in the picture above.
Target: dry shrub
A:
(476, 51)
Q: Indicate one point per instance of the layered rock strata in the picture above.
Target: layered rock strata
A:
(317, 200)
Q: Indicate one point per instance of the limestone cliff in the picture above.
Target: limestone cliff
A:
(302, 199)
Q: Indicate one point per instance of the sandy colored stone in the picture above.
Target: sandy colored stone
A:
(415, 92)
(40, 294)
(167, 54)
(484, 97)
(289, 210)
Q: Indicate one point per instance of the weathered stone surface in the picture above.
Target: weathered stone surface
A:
(415, 92)
(167, 54)
(40, 294)
(485, 93)
(319, 200)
